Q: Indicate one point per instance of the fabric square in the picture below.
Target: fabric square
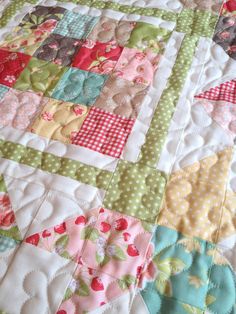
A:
(97, 57)
(79, 87)
(43, 17)
(194, 195)
(104, 132)
(89, 289)
(141, 196)
(3, 90)
(39, 76)
(121, 97)
(148, 37)
(11, 66)
(58, 49)
(24, 40)
(136, 66)
(225, 34)
(116, 245)
(64, 239)
(107, 30)
(75, 25)
(17, 108)
(173, 268)
(59, 120)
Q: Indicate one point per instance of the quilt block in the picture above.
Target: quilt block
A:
(117, 157)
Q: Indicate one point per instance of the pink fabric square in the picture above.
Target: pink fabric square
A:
(137, 66)
(104, 132)
(97, 57)
(17, 108)
(11, 66)
(118, 245)
(64, 239)
(89, 289)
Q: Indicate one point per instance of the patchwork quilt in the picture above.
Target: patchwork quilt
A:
(117, 160)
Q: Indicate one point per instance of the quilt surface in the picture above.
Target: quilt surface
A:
(117, 160)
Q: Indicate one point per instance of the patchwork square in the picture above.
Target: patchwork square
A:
(11, 66)
(116, 245)
(39, 76)
(225, 34)
(107, 30)
(75, 25)
(89, 289)
(97, 57)
(18, 108)
(121, 97)
(136, 66)
(43, 18)
(104, 132)
(58, 49)
(141, 195)
(59, 120)
(79, 87)
(148, 37)
(24, 40)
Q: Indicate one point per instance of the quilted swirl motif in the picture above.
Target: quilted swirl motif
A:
(79, 87)
(121, 97)
(107, 30)
(18, 108)
(58, 120)
(58, 49)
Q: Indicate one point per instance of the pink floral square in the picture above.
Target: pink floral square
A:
(17, 108)
(137, 66)
(97, 57)
(90, 289)
(117, 245)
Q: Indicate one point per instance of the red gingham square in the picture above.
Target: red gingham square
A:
(104, 132)
(225, 91)
(11, 65)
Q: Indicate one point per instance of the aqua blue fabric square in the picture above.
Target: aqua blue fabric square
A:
(7, 243)
(3, 90)
(75, 25)
(79, 87)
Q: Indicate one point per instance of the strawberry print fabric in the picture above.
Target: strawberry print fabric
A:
(103, 132)
(97, 57)
(11, 66)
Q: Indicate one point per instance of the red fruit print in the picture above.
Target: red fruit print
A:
(121, 224)
(34, 239)
(81, 220)
(132, 250)
(230, 5)
(90, 271)
(139, 271)
(126, 236)
(101, 211)
(46, 234)
(102, 303)
(105, 227)
(60, 228)
(61, 312)
(97, 284)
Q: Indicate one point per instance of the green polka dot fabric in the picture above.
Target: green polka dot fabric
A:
(117, 159)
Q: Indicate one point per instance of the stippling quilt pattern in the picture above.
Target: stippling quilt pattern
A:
(117, 158)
